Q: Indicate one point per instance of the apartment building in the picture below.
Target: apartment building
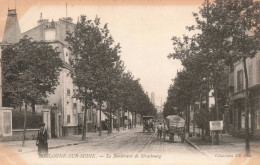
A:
(236, 115)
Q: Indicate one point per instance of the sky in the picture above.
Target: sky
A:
(144, 33)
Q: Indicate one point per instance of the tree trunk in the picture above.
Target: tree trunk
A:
(207, 108)
(200, 109)
(246, 108)
(33, 107)
(187, 120)
(123, 112)
(217, 110)
(100, 127)
(135, 119)
(110, 118)
(24, 124)
(132, 122)
(118, 120)
(193, 106)
(128, 119)
(85, 121)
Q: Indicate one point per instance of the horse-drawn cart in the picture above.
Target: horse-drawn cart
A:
(148, 123)
(175, 125)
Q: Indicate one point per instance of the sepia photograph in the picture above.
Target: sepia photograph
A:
(130, 82)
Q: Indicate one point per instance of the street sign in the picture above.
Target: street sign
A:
(216, 125)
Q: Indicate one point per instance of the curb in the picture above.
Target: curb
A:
(197, 148)
(81, 142)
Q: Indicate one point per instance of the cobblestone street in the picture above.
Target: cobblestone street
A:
(128, 147)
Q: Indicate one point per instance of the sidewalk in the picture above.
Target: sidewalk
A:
(229, 147)
(30, 145)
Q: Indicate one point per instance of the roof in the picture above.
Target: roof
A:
(12, 32)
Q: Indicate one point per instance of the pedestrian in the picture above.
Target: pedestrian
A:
(79, 128)
(159, 130)
(94, 127)
(130, 124)
(41, 141)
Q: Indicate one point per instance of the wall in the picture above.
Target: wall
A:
(31, 134)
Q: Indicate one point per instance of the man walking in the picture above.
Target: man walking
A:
(41, 141)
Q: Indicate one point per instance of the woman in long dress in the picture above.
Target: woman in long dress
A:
(41, 141)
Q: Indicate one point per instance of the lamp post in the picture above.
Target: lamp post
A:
(226, 117)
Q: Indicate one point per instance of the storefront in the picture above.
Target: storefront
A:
(237, 116)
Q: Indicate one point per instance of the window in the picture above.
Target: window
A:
(68, 92)
(89, 114)
(68, 118)
(243, 120)
(67, 57)
(66, 54)
(239, 80)
(250, 75)
(83, 108)
(74, 105)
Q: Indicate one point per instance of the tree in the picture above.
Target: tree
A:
(133, 97)
(95, 61)
(30, 73)
(226, 37)
(207, 51)
(244, 19)
(230, 32)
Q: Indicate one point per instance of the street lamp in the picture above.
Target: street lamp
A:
(226, 116)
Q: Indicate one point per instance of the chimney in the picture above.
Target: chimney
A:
(12, 32)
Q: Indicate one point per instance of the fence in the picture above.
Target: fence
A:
(32, 119)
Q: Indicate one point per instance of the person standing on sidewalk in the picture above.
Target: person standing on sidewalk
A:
(94, 126)
(41, 141)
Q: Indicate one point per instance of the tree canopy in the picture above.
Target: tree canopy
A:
(30, 72)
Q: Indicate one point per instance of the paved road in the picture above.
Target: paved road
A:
(134, 147)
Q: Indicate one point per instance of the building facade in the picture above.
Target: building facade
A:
(65, 111)
(236, 113)
(63, 114)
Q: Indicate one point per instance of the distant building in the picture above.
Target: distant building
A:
(153, 98)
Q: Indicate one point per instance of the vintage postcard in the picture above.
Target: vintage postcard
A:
(129, 82)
